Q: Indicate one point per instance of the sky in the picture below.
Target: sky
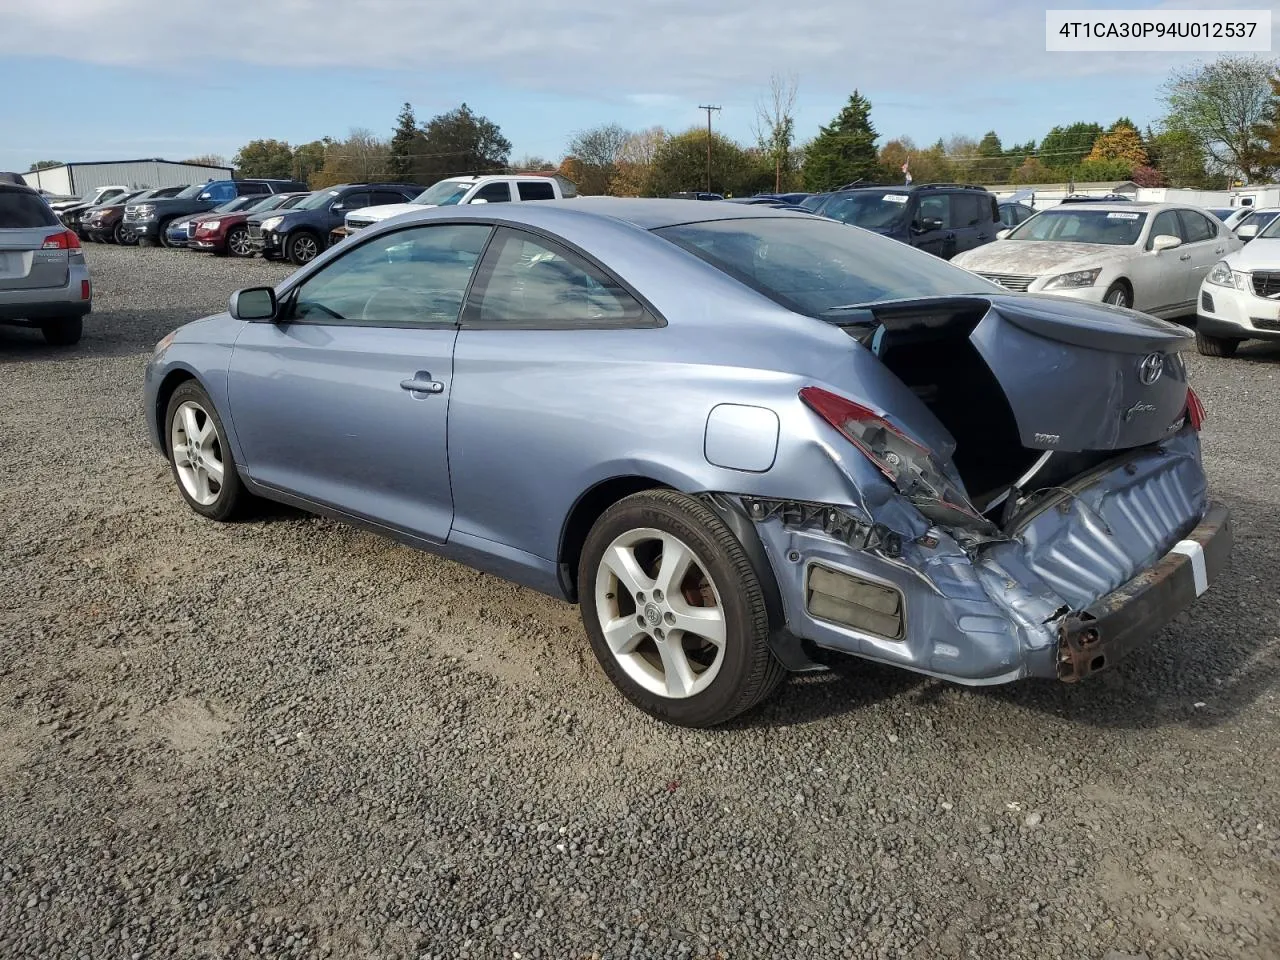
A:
(130, 79)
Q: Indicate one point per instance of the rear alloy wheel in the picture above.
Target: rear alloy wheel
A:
(199, 455)
(1216, 346)
(238, 244)
(675, 612)
(1118, 295)
(124, 234)
(303, 247)
(62, 332)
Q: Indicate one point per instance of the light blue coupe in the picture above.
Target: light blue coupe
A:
(738, 437)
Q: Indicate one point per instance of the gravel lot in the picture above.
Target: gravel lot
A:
(288, 738)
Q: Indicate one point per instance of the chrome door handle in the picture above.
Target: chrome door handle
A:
(421, 384)
(1219, 250)
(1185, 256)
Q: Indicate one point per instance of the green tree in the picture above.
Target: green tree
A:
(406, 141)
(208, 160)
(45, 164)
(844, 150)
(1221, 105)
(597, 151)
(459, 142)
(308, 159)
(993, 164)
(1268, 131)
(1062, 147)
(680, 163)
(1181, 161)
(264, 158)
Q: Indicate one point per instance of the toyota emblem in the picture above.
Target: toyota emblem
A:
(1151, 368)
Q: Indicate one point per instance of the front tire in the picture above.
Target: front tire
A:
(674, 610)
(200, 456)
(1118, 295)
(238, 243)
(62, 332)
(163, 236)
(1211, 346)
(303, 247)
(124, 235)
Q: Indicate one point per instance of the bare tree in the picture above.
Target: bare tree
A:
(775, 124)
(635, 162)
(597, 150)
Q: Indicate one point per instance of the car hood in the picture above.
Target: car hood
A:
(388, 210)
(1261, 254)
(1039, 258)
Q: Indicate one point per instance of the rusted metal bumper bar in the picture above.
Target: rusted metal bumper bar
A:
(1097, 637)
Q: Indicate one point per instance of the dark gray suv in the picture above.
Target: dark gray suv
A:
(940, 218)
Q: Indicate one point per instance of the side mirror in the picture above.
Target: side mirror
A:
(928, 224)
(1247, 232)
(253, 303)
(1165, 242)
(478, 200)
(205, 196)
(1001, 234)
(338, 207)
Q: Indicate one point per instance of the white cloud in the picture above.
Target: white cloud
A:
(669, 49)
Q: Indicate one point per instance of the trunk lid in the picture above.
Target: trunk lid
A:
(24, 265)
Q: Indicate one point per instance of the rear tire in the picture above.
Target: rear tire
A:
(1211, 346)
(302, 247)
(1118, 295)
(200, 457)
(62, 332)
(717, 666)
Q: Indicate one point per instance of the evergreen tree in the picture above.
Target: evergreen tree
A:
(844, 150)
(403, 143)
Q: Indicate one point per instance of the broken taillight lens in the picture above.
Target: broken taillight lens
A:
(1195, 410)
(909, 466)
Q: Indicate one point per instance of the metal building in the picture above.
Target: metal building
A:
(79, 179)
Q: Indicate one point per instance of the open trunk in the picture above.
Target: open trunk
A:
(1032, 389)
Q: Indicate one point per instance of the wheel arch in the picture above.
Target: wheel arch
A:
(586, 510)
(171, 382)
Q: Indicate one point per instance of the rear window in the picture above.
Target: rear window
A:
(536, 190)
(21, 209)
(811, 265)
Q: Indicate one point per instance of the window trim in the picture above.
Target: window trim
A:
(468, 318)
(289, 300)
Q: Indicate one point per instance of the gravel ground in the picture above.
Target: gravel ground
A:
(288, 738)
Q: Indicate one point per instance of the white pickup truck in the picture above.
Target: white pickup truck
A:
(501, 188)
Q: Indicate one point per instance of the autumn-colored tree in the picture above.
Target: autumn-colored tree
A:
(361, 158)
(1121, 143)
(635, 163)
(1146, 176)
(1031, 170)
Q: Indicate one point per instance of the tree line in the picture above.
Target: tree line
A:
(1221, 125)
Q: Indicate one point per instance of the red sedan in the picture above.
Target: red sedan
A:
(226, 233)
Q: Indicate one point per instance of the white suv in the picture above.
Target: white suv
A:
(1240, 297)
(485, 189)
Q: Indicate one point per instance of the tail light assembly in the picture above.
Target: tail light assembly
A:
(62, 240)
(1195, 410)
(911, 467)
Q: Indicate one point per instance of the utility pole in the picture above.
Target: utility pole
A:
(709, 109)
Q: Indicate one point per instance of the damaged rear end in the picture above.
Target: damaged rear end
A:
(1052, 515)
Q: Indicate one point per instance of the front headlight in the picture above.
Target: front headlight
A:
(1080, 278)
(145, 209)
(272, 222)
(1221, 275)
(165, 341)
(207, 225)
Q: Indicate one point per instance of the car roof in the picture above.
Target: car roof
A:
(643, 212)
(1123, 206)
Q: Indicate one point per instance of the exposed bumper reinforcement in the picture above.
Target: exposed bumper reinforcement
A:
(1106, 631)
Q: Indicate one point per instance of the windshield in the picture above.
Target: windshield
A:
(873, 209)
(811, 265)
(443, 194)
(239, 203)
(1272, 229)
(1115, 228)
(321, 198)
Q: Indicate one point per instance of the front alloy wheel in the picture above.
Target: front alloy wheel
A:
(238, 244)
(303, 248)
(199, 455)
(674, 610)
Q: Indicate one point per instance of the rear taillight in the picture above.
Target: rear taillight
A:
(65, 240)
(909, 466)
(1195, 410)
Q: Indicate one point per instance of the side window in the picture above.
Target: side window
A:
(414, 277)
(383, 197)
(252, 189)
(356, 201)
(536, 190)
(527, 281)
(1196, 228)
(967, 209)
(1166, 223)
(221, 192)
(995, 211)
(937, 206)
(499, 192)
(1023, 213)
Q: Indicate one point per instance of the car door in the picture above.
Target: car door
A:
(1201, 249)
(337, 211)
(976, 219)
(538, 324)
(497, 192)
(931, 226)
(1158, 276)
(344, 403)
